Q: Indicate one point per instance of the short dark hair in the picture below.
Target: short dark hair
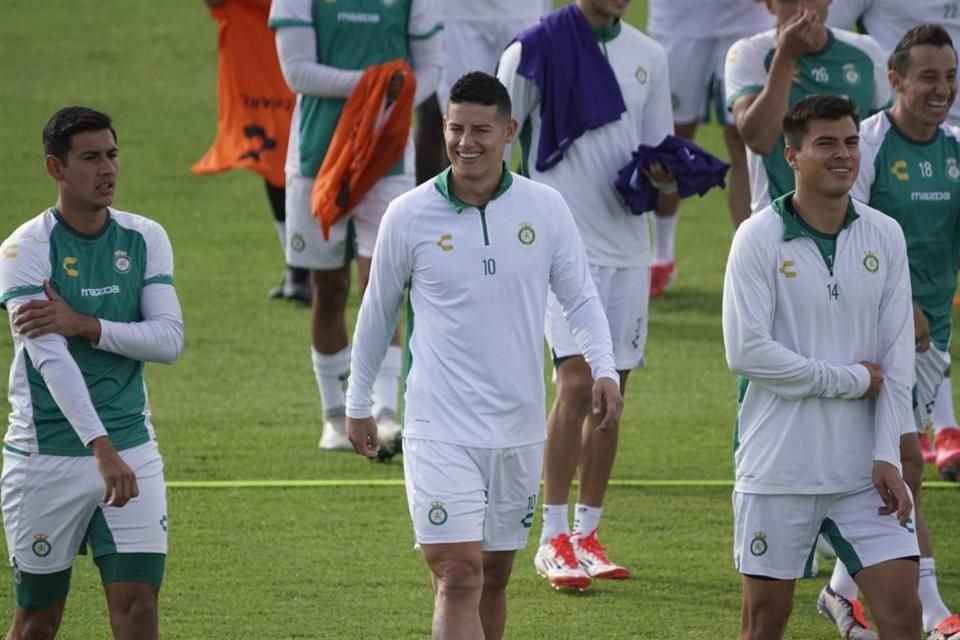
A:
(481, 88)
(819, 107)
(932, 34)
(65, 123)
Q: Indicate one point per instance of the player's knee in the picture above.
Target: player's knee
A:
(458, 578)
(331, 289)
(35, 627)
(575, 387)
(496, 578)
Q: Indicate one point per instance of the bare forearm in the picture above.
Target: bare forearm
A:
(760, 124)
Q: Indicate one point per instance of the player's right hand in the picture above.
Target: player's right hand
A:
(876, 380)
(119, 480)
(798, 36)
(362, 433)
(607, 400)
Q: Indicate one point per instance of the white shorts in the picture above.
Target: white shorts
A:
(474, 45)
(467, 494)
(931, 367)
(51, 506)
(355, 233)
(625, 295)
(696, 77)
(776, 535)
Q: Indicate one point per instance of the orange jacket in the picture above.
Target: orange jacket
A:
(254, 104)
(366, 144)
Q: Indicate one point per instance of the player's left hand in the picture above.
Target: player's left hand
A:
(660, 177)
(36, 318)
(607, 400)
(893, 491)
(362, 433)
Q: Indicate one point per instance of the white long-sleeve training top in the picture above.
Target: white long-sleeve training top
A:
(795, 330)
(478, 282)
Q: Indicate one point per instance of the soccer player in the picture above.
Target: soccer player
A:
(479, 247)
(89, 292)
(324, 49)
(769, 72)
(910, 171)
(618, 243)
(886, 22)
(818, 325)
(696, 36)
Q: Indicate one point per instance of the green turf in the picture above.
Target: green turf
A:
(241, 404)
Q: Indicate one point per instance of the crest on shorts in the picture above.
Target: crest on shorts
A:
(121, 261)
(526, 234)
(40, 545)
(437, 514)
(297, 243)
(758, 546)
(871, 262)
(850, 74)
(953, 171)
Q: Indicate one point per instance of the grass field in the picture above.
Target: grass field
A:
(241, 404)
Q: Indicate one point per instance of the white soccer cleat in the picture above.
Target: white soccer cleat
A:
(557, 562)
(848, 615)
(948, 629)
(334, 437)
(592, 556)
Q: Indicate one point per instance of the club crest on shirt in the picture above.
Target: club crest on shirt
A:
(526, 235)
(437, 514)
(953, 171)
(758, 546)
(121, 261)
(850, 74)
(871, 262)
(40, 545)
(641, 74)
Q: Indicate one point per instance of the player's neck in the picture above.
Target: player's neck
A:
(821, 212)
(476, 191)
(910, 126)
(88, 221)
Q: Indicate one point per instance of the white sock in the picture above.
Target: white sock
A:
(282, 232)
(554, 522)
(934, 610)
(332, 371)
(943, 407)
(386, 388)
(841, 583)
(665, 231)
(586, 519)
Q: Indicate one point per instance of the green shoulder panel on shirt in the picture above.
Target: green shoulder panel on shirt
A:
(19, 292)
(917, 183)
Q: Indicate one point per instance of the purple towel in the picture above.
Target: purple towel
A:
(695, 171)
(578, 89)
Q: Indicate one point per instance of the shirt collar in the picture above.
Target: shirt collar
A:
(442, 184)
(606, 34)
(793, 227)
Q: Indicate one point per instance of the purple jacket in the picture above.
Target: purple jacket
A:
(695, 171)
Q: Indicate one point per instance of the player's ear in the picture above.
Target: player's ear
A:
(54, 167)
(512, 127)
(894, 79)
(791, 156)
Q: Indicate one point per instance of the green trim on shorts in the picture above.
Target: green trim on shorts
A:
(350, 251)
(845, 551)
(132, 567)
(40, 591)
(808, 571)
(99, 536)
